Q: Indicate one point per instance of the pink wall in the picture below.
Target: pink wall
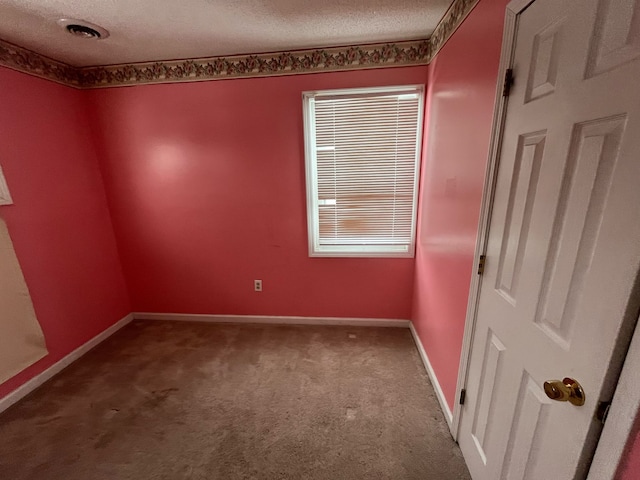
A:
(59, 223)
(461, 92)
(207, 192)
(629, 468)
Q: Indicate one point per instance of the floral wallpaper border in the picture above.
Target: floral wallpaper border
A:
(451, 20)
(302, 61)
(418, 52)
(33, 63)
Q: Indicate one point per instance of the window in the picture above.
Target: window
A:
(362, 150)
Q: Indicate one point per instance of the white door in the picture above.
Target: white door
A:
(563, 249)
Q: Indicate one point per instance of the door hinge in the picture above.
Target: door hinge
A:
(508, 81)
(483, 260)
(603, 411)
(463, 396)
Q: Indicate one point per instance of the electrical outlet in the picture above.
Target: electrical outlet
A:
(257, 285)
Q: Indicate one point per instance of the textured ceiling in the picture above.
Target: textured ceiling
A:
(149, 30)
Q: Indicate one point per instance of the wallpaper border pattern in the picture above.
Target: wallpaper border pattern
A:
(381, 55)
(23, 60)
(281, 63)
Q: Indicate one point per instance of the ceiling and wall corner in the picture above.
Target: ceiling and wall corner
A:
(160, 30)
(422, 41)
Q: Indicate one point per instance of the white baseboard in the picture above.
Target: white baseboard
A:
(28, 387)
(448, 415)
(356, 322)
(57, 367)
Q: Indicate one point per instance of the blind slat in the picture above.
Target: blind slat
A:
(365, 155)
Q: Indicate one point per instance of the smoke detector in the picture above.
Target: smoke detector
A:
(82, 29)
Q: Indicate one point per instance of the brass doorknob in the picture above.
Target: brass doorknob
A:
(567, 390)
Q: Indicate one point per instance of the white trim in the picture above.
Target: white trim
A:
(448, 415)
(5, 195)
(624, 408)
(500, 108)
(372, 249)
(272, 319)
(35, 382)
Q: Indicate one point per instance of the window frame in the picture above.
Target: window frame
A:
(358, 250)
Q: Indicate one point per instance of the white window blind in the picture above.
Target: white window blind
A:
(363, 150)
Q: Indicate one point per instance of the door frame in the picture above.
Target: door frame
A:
(626, 400)
(514, 8)
(625, 406)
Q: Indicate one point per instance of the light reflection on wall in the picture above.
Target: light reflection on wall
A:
(166, 161)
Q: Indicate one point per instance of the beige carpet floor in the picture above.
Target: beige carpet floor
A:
(174, 400)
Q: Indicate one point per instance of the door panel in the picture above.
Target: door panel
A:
(485, 407)
(616, 38)
(583, 194)
(527, 430)
(523, 188)
(543, 69)
(563, 248)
